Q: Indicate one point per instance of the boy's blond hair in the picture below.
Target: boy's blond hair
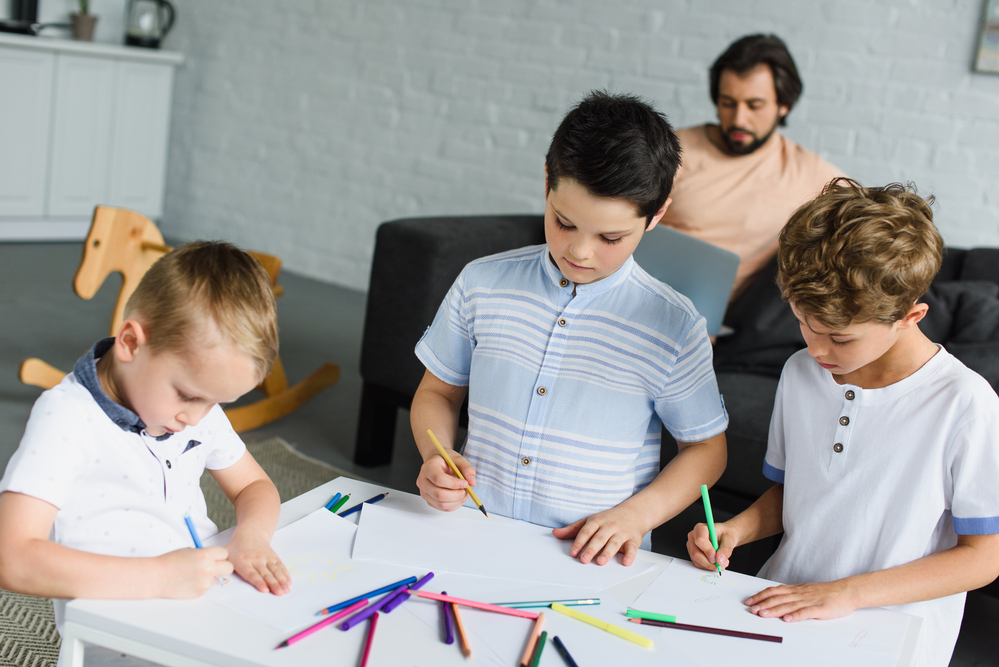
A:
(206, 282)
(856, 254)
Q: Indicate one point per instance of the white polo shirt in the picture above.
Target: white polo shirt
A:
(119, 490)
(876, 478)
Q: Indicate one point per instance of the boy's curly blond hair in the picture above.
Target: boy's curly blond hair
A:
(856, 254)
(208, 282)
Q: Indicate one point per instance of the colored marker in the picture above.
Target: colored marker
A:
(635, 613)
(371, 636)
(710, 631)
(369, 501)
(368, 596)
(564, 652)
(194, 533)
(523, 613)
(547, 603)
(541, 647)
(322, 624)
(333, 500)
(532, 640)
(364, 614)
(340, 503)
(401, 596)
(604, 625)
(454, 469)
(466, 648)
(711, 524)
(448, 625)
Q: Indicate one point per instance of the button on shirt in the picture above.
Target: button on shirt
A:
(568, 394)
(119, 490)
(875, 478)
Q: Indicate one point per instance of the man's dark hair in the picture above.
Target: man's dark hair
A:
(617, 147)
(747, 52)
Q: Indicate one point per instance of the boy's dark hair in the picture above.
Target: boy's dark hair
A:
(856, 254)
(617, 147)
(747, 52)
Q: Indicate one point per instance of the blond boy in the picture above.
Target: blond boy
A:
(111, 457)
(882, 445)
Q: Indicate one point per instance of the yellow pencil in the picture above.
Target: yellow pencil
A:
(466, 648)
(603, 625)
(454, 468)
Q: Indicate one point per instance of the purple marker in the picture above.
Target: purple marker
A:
(448, 625)
(382, 605)
(402, 595)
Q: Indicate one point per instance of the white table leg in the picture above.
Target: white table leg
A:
(71, 652)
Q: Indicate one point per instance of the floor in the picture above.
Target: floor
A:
(41, 316)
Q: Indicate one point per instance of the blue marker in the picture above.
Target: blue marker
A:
(332, 501)
(194, 533)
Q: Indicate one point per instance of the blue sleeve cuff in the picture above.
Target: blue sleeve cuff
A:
(777, 475)
(984, 526)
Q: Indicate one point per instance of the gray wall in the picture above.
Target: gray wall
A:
(299, 126)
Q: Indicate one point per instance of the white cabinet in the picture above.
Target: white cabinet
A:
(83, 124)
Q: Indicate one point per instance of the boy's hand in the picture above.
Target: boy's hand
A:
(796, 603)
(191, 572)
(254, 560)
(702, 554)
(604, 534)
(440, 487)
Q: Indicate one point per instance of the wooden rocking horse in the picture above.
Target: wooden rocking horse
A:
(127, 242)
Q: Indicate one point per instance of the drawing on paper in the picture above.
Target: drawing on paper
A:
(860, 635)
(221, 581)
(320, 568)
(707, 599)
(715, 580)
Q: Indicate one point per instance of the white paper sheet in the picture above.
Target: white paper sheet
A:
(316, 551)
(867, 637)
(484, 547)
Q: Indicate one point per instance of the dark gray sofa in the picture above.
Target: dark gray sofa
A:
(417, 259)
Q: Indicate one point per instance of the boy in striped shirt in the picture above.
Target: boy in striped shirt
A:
(573, 358)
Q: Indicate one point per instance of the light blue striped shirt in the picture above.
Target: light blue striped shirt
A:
(567, 395)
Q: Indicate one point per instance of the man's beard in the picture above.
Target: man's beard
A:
(745, 149)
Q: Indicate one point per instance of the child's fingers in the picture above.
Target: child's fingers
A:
(440, 474)
(598, 538)
(616, 543)
(699, 547)
(568, 532)
(466, 468)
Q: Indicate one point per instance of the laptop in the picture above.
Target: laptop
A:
(702, 272)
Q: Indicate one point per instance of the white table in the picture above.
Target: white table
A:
(200, 633)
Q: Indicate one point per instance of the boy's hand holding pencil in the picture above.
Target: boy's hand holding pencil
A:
(438, 483)
(189, 573)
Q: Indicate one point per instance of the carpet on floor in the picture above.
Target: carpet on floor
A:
(28, 636)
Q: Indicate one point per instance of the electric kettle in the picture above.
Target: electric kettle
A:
(147, 22)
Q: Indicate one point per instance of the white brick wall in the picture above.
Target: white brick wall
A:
(301, 125)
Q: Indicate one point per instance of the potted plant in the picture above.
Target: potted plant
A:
(83, 22)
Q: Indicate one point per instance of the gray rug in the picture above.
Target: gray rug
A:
(28, 636)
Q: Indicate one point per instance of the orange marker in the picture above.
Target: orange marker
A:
(466, 648)
(532, 640)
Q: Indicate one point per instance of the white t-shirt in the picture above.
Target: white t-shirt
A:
(876, 478)
(120, 491)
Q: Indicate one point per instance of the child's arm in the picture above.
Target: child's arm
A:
(258, 507)
(30, 563)
(622, 528)
(761, 519)
(969, 565)
(436, 406)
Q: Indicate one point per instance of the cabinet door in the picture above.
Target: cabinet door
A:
(81, 135)
(141, 135)
(25, 114)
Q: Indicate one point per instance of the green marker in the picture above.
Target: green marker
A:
(541, 646)
(652, 616)
(343, 501)
(711, 525)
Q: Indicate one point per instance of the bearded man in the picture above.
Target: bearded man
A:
(741, 180)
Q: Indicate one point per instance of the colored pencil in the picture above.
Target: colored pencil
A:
(652, 616)
(194, 533)
(454, 469)
(378, 606)
(367, 596)
(466, 648)
(448, 625)
(369, 501)
(541, 647)
(340, 503)
(322, 624)
(604, 625)
(367, 642)
(472, 603)
(711, 524)
(710, 631)
(564, 652)
(547, 603)
(333, 500)
(401, 595)
(532, 639)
